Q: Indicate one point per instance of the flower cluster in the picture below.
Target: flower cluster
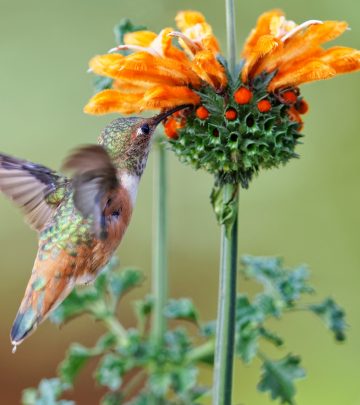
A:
(238, 124)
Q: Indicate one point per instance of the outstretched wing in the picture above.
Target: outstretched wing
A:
(95, 183)
(31, 187)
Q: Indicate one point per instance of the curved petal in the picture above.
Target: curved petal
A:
(109, 101)
(342, 59)
(265, 45)
(143, 67)
(209, 69)
(168, 96)
(303, 45)
(310, 71)
(139, 38)
(266, 23)
(188, 18)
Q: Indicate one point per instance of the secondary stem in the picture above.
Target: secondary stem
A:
(159, 272)
(225, 330)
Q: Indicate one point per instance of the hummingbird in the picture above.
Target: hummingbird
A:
(81, 219)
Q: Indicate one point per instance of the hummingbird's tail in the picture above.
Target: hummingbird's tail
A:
(47, 288)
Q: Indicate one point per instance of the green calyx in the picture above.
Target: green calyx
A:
(234, 141)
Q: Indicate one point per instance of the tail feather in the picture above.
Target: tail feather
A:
(44, 292)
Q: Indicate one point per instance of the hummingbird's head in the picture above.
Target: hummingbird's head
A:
(127, 140)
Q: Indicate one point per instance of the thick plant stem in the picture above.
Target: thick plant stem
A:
(159, 271)
(225, 330)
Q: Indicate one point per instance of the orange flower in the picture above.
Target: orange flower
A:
(295, 51)
(157, 74)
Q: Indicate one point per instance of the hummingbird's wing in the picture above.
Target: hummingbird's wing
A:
(95, 183)
(33, 187)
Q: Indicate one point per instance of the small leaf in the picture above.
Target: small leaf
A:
(110, 372)
(184, 379)
(106, 342)
(77, 303)
(125, 26)
(225, 205)
(271, 337)
(102, 83)
(333, 316)
(278, 378)
(125, 280)
(143, 309)
(159, 383)
(74, 361)
(208, 329)
(248, 321)
(182, 308)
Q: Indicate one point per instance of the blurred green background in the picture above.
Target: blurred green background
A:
(307, 212)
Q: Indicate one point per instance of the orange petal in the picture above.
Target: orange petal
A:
(143, 67)
(162, 44)
(168, 96)
(310, 71)
(188, 18)
(342, 59)
(264, 45)
(264, 26)
(209, 69)
(139, 38)
(109, 101)
(302, 46)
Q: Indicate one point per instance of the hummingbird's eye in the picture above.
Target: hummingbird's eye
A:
(145, 129)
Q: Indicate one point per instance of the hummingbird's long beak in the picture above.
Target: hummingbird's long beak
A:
(160, 117)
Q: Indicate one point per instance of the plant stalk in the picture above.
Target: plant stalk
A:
(159, 270)
(225, 329)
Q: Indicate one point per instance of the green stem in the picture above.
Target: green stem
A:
(231, 35)
(225, 329)
(159, 275)
(202, 352)
(117, 329)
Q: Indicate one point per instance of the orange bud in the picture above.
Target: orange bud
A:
(202, 113)
(231, 114)
(289, 97)
(264, 106)
(171, 128)
(302, 107)
(243, 95)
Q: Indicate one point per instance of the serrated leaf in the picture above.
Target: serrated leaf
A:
(125, 280)
(283, 285)
(159, 383)
(77, 303)
(106, 342)
(271, 337)
(76, 358)
(182, 308)
(48, 393)
(184, 379)
(248, 321)
(110, 372)
(278, 378)
(333, 317)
